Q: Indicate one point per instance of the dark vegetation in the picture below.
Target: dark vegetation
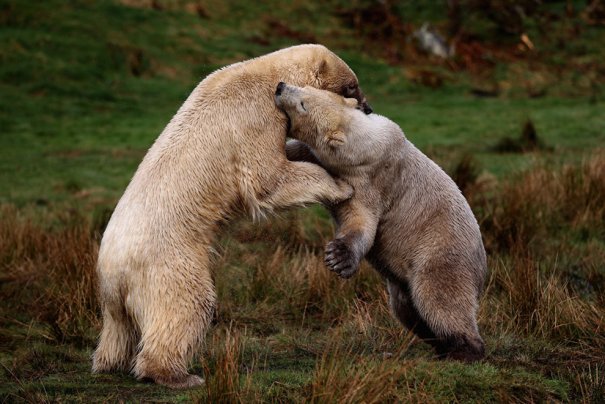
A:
(527, 142)
(515, 116)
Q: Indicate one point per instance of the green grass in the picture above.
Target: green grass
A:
(86, 87)
(78, 103)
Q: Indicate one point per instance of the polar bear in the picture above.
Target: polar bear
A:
(222, 152)
(407, 217)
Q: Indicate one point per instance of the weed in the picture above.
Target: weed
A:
(465, 173)
(528, 142)
(222, 365)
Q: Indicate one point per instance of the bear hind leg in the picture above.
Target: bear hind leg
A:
(117, 344)
(166, 350)
(174, 335)
(448, 307)
(403, 309)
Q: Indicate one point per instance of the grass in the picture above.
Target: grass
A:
(288, 330)
(86, 88)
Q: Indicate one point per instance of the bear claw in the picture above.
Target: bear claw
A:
(340, 259)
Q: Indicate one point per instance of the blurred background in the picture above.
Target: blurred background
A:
(88, 85)
(507, 96)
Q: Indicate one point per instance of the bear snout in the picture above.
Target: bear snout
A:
(366, 108)
(280, 88)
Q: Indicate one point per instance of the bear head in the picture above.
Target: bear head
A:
(331, 73)
(339, 133)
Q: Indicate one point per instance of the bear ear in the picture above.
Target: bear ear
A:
(320, 70)
(351, 102)
(336, 138)
(322, 67)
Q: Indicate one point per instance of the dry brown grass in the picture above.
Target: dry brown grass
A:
(223, 361)
(47, 272)
(542, 202)
(544, 301)
(343, 377)
(543, 230)
(525, 299)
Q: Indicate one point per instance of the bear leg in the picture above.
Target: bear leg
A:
(117, 343)
(458, 347)
(404, 310)
(448, 305)
(357, 226)
(178, 316)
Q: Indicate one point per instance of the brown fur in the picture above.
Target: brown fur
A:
(223, 150)
(407, 216)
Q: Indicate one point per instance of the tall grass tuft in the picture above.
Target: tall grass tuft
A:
(534, 206)
(525, 298)
(343, 377)
(222, 364)
(542, 230)
(48, 272)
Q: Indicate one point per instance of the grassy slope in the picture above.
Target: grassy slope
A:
(87, 86)
(72, 105)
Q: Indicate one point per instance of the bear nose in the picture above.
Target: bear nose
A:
(280, 88)
(366, 108)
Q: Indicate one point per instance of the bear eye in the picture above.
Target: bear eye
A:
(351, 88)
(302, 104)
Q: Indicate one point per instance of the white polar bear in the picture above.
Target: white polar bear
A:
(221, 152)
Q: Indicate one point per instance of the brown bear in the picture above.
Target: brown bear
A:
(222, 152)
(407, 217)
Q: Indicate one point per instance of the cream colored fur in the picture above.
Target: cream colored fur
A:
(407, 216)
(222, 152)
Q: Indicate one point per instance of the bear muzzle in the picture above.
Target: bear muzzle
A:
(362, 103)
(365, 107)
(280, 88)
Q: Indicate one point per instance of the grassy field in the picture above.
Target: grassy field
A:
(87, 86)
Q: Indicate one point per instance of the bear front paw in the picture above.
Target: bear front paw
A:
(345, 193)
(340, 258)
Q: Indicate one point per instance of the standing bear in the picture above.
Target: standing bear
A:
(222, 152)
(407, 216)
